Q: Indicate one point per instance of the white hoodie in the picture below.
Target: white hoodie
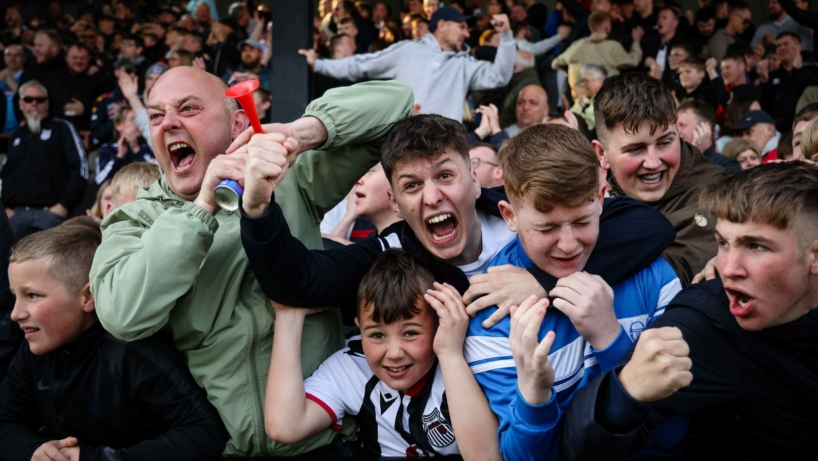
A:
(440, 79)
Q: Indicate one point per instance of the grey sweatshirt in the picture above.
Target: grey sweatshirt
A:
(440, 79)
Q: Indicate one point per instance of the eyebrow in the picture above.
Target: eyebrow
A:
(178, 102)
(403, 325)
(435, 166)
(744, 239)
(549, 224)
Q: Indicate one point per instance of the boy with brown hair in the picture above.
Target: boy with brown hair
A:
(73, 391)
(555, 202)
(639, 143)
(736, 354)
(799, 125)
(409, 358)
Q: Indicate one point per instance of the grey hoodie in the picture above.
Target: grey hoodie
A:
(440, 79)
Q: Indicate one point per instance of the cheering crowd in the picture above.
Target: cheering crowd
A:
(497, 232)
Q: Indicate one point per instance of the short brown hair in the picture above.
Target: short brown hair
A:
(69, 250)
(631, 99)
(806, 114)
(703, 111)
(738, 145)
(134, 177)
(424, 137)
(393, 285)
(693, 62)
(597, 19)
(550, 164)
(777, 194)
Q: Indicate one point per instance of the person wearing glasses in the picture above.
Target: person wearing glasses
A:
(46, 170)
(486, 166)
(737, 23)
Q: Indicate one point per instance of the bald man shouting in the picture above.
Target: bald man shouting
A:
(173, 261)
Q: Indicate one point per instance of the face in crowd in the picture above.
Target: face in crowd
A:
(436, 199)
(190, 125)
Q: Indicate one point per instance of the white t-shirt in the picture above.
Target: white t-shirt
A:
(495, 235)
(413, 423)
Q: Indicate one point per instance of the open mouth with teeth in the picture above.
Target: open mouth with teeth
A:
(741, 304)
(397, 372)
(652, 178)
(442, 228)
(181, 155)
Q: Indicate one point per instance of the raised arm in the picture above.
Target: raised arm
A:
(381, 65)
(289, 416)
(484, 75)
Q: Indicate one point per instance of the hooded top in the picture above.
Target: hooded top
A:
(694, 244)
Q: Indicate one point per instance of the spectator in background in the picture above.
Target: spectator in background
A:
(803, 118)
(380, 13)
(437, 68)
(45, 173)
(102, 128)
(178, 58)
(780, 21)
(697, 123)
(263, 100)
(347, 27)
(523, 34)
(598, 48)
(430, 6)
(739, 106)
(694, 84)
(14, 58)
(15, 26)
(127, 182)
(48, 54)
(252, 56)
(743, 151)
(524, 74)
(342, 46)
(130, 146)
(737, 23)
(809, 141)
(667, 25)
(192, 6)
(592, 76)
(420, 27)
(781, 88)
(536, 14)
(733, 75)
(758, 126)
(73, 90)
(799, 11)
(486, 165)
(532, 109)
(705, 20)
(103, 204)
(784, 146)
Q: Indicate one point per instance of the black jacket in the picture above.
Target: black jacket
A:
(123, 401)
(10, 333)
(754, 395)
(631, 237)
(46, 168)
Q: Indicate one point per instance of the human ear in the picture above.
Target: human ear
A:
(393, 203)
(599, 150)
(88, 303)
(812, 255)
(507, 211)
(357, 323)
(240, 123)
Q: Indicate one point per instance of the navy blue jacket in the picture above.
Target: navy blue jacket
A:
(754, 394)
(632, 235)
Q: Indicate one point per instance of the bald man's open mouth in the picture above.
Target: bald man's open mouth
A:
(181, 156)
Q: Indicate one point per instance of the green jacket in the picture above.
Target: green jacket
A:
(166, 264)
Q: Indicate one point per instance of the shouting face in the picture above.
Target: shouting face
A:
(190, 125)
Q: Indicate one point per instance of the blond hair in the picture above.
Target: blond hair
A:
(68, 248)
(809, 140)
(133, 177)
(735, 147)
(550, 165)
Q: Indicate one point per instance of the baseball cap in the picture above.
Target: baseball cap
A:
(447, 14)
(254, 43)
(158, 68)
(752, 118)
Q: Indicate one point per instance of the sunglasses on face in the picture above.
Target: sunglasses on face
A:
(31, 99)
